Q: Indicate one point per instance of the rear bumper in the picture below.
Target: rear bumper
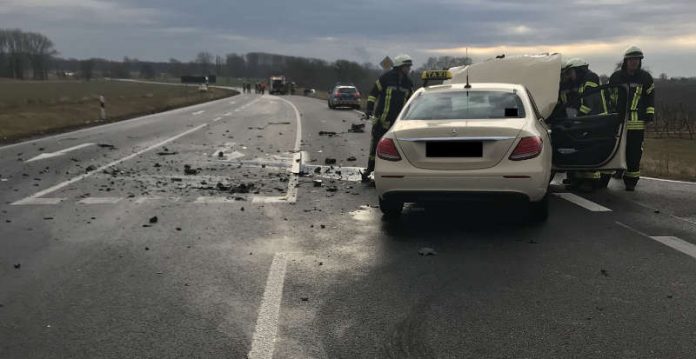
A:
(454, 196)
(470, 188)
(337, 102)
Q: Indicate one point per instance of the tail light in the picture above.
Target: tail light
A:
(528, 147)
(357, 95)
(386, 150)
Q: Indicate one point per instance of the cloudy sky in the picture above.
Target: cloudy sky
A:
(366, 31)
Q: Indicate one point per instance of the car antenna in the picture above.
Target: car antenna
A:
(468, 85)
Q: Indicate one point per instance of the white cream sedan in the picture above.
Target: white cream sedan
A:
(478, 141)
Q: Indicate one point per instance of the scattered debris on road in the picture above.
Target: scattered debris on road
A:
(188, 170)
(90, 168)
(357, 128)
(153, 220)
(317, 183)
(18, 265)
(106, 145)
(604, 272)
(426, 251)
(305, 299)
(330, 161)
(351, 159)
(327, 133)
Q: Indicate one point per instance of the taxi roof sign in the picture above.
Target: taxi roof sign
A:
(436, 75)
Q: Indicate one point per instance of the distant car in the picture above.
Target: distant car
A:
(501, 138)
(344, 96)
(308, 92)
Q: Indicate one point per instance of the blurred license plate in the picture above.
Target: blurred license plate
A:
(454, 149)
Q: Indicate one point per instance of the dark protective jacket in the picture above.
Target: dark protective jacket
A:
(390, 92)
(592, 105)
(641, 96)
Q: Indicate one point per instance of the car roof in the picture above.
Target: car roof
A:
(486, 86)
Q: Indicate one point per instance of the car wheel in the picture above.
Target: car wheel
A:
(331, 107)
(539, 211)
(390, 209)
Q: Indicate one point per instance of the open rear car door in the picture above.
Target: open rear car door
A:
(594, 138)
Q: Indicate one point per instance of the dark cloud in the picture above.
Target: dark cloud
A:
(360, 30)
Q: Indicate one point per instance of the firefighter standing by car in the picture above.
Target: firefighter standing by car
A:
(641, 97)
(390, 92)
(578, 80)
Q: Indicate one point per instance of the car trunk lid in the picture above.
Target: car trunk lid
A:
(456, 144)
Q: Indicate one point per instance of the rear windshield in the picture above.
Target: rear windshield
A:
(347, 90)
(465, 105)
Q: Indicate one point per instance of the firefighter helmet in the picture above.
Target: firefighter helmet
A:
(575, 62)
(402, 60)
(633, 52)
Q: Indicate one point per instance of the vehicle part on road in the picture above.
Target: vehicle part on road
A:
(330, 161)
(427, 251)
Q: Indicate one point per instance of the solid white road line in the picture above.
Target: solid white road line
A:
(47, 155)
(39, 201)
(297, 157)
(216, 119)
(102, 168)
(666, 180)
(198, 112)
(670, 241)
(263, 342)
(100, 200)
(214, 200)
(582, 202)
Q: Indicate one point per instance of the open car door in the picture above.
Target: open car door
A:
(591, 132)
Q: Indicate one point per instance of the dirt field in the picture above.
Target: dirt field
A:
(32, 108)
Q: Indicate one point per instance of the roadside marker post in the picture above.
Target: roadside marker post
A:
(102, 104)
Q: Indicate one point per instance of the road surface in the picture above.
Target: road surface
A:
(198, 233)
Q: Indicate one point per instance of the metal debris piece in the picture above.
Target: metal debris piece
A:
(317, 183)
(426, 251)
(153, 219)
(330, 161)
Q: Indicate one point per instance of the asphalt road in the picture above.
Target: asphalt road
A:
(247, 258)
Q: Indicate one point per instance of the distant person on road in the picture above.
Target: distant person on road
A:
(641, 97)
(390, 92)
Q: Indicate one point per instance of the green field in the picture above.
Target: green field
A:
(669, 158)
(31, 108)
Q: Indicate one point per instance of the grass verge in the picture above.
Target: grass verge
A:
(669, 158)
(36, 108)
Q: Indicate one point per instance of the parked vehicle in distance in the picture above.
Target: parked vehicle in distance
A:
(344, 96)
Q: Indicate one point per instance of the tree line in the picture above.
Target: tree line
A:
(24, 53)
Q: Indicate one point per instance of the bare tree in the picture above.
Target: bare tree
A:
(87, 69)
(204, 60)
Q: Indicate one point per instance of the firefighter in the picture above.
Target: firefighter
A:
(389, 94)
(580, 79)
(641, 97)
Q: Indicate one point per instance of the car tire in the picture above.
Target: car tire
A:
(331, 107)
(539, 211)
(390, 209)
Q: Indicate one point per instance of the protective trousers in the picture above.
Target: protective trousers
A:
(634, 152)
(377, 132)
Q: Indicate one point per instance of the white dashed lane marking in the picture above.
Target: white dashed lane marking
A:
(263, 342)
(198, 112)
(48, 155)
(100, 200)
(675, 243)
(582, 202)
